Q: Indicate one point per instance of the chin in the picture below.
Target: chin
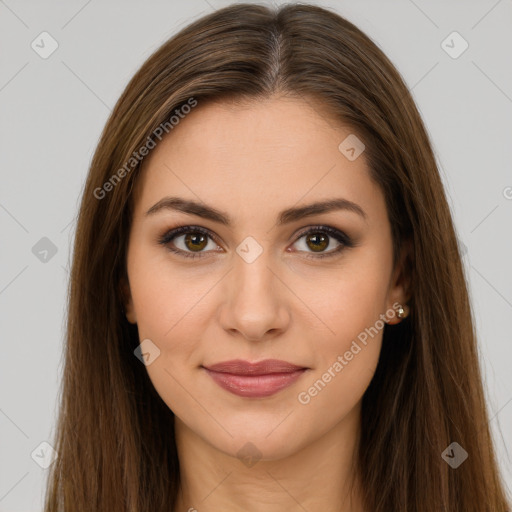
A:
(256, 443)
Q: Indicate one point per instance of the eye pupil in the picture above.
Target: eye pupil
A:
(196, 238)
(320, 241)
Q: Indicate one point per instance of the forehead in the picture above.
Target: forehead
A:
(254, 154)
(276, 129)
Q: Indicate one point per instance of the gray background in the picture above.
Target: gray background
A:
(53, 111)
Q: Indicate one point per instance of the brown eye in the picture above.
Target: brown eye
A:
(317, 241)
(196, 241)
(188, 241)
(319, 238)
(192, 242)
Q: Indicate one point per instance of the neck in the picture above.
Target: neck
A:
(319, 476)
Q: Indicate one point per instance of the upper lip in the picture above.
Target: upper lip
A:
(265, 367)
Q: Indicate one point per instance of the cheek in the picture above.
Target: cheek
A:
(347, 354)
(348, 299)
(163, 296)
(335, 388)
(349, 303)
(171, 313)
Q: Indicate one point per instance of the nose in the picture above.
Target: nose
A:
(256, 300)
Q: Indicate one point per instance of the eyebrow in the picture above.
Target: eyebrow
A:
(285, 217)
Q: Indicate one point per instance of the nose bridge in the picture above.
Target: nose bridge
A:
(251, 268)
(254, 302)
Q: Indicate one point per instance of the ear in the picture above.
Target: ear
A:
(400, 288)
(126, 296)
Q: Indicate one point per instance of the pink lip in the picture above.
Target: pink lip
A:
(255, 380)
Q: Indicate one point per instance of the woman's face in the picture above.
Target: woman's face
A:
(266, 281)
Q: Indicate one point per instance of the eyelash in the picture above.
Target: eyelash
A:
(341, 237)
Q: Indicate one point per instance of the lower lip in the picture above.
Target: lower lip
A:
(256, 386)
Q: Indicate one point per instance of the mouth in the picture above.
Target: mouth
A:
(255, 380)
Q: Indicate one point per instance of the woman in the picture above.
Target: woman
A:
(267, 306)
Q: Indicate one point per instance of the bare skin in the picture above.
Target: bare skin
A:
(251, 162)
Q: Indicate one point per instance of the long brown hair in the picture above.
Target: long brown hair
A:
(115, 435)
